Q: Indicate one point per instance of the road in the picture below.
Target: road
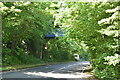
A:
(63, 70)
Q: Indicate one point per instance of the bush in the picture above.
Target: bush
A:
(10, 59)
(29, 59)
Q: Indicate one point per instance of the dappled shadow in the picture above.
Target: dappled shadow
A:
(64, 72)
(58, 75)
(67, 70)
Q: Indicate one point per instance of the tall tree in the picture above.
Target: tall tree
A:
(80, 20)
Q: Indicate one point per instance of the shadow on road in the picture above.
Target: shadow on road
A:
(69, 71)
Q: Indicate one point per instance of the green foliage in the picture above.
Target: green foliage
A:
(57, 50)
(111, 29)
(112, 60)
(82, 22)
(108, 72)
(20, 60)
(91, 30)
(24, 25)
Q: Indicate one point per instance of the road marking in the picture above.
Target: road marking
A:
(65, 67)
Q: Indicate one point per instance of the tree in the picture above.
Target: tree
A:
(80, 21)
(110, 30)
(24, 25)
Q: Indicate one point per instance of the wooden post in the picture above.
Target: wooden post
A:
(41, 52)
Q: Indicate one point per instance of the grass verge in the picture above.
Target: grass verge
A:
(25, 66)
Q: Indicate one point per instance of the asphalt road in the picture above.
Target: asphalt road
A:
(64, 70)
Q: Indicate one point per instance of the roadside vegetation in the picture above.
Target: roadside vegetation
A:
(90, 30)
